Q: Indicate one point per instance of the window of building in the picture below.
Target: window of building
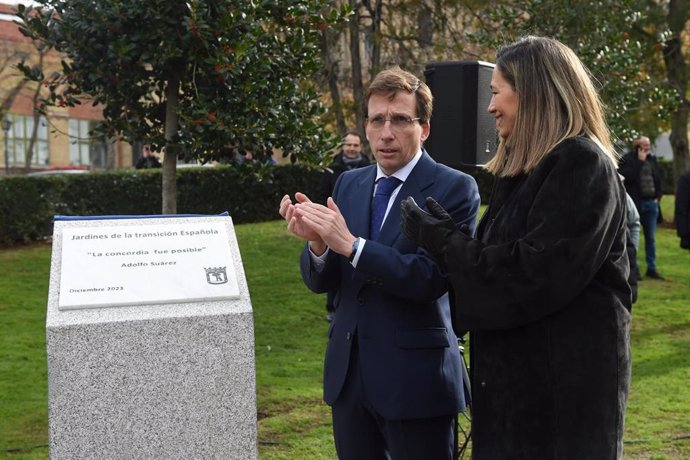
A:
(19, 138)
(85, 148)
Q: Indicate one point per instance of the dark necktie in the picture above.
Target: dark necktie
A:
(384, 188)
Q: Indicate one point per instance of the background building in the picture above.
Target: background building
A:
(61, 138)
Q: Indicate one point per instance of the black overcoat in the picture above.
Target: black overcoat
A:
(543, 291)
(682, 214)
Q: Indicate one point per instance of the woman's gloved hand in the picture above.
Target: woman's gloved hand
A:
(428, 230)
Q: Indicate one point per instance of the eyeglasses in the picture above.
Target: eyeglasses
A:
(398, 122)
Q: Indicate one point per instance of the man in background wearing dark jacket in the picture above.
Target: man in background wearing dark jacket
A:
(643, 184)
(349, 157)
(148, 159)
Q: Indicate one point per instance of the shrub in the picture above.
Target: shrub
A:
(250, 193)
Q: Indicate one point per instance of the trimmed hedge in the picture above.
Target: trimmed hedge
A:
(249, 193)
(28, 204)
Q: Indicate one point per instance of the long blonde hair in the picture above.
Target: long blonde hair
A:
(556, 101)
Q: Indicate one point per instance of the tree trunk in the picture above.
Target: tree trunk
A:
(110, 154)
(425, 27)
(169, 185)
(374, 36)
(13, 91)
(357, 86)
(11, 96)
(328, 39)
(36, 117)
(34, 131)
(677, 74)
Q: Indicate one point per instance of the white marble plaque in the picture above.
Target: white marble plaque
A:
(145, 264)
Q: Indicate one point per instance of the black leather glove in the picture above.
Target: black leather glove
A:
(428, 230)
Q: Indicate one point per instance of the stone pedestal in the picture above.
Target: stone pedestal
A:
(170, 380)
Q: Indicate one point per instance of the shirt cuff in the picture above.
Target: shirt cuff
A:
(360, 248)
(318, 261)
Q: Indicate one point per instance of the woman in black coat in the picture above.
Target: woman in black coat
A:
(683, 210)
(543, 288)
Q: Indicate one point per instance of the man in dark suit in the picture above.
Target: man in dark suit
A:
(349, 157)
(392, 371)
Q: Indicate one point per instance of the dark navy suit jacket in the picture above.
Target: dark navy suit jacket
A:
(394, 300)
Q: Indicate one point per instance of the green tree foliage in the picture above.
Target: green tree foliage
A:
(667, 30)
(199, 78)
(601, 32)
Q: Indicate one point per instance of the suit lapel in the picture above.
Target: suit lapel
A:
(420, 179)
(359, 204)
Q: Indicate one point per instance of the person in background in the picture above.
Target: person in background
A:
(242, 156)
(643, 184)
(349, 157)
(392, 373)
(633, 243)
(682, 210)
(148, 159)
(543, 288)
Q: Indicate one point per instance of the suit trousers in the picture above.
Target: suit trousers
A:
(363, 434)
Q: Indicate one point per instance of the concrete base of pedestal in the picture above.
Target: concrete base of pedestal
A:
(173, 381)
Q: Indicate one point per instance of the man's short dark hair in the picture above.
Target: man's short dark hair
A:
(394, 80)
(352, 132)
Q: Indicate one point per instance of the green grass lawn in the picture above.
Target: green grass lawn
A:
(290, 340)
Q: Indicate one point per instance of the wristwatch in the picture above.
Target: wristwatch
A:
(355, 245)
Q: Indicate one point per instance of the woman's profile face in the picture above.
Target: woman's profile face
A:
(504, 104)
